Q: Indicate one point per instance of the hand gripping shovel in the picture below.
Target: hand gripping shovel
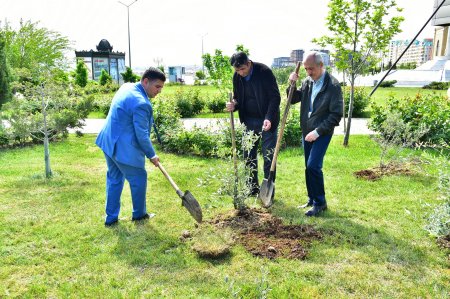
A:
(266, 190)
(187, 199)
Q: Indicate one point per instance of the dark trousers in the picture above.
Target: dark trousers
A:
(269, 140)
(314, 154)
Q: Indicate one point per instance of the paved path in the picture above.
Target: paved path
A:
(359, 125)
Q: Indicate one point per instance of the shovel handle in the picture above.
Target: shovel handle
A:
(283, 121)
(168, 177)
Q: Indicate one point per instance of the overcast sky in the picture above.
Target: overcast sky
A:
(172, 30)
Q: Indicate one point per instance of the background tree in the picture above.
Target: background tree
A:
(200, 75)
(129, 76)
(359, 29)
(81, 74)
(5, 78)
(104, 78)
(32, 50)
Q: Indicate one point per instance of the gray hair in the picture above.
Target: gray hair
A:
(318, 59)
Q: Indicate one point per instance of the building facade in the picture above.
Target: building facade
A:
(280, 62)
(420, 51)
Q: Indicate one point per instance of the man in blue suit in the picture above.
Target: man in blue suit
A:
(125, 141)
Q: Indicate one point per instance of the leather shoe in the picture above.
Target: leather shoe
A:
(113, 223)
(306, 205)
(316, 210)
(146, 216)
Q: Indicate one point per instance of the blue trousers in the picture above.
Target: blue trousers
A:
(269, 141)
(314, 154)
(115, 178)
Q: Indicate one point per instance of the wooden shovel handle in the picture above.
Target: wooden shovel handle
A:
(168, 177)
(283, 121)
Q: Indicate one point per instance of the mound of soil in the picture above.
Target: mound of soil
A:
(265, 235)
(376, 173)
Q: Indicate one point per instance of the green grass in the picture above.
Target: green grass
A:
(382, 94)
(205, 90)
(53, 242)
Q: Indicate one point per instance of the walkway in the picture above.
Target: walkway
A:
(359, 125)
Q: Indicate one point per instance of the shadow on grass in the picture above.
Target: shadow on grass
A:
(345, 234)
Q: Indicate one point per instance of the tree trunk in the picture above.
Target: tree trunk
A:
(350, 110)
(343, 100)
(48, 170)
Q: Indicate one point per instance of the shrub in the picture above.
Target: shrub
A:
(431, 111)
(129, 76)
(189, 103)
(437, 85)
(105, 78)
(360, 101)
(388, 83)
(292, 132)
(218, 103)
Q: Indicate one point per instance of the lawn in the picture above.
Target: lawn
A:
(382, 94)
(53, 242)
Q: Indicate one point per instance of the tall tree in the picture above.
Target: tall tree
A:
(32, 50)
(5, 78)
(359, 29)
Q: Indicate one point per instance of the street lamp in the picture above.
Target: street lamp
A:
(128, 14)
(203, 65)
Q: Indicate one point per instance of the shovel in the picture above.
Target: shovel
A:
(233, 143)
(187, 199)
(267, 185)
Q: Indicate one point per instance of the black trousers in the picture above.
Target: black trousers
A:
(269, 140)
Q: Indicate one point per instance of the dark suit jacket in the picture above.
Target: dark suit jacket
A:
(327, 106)
(266, 92)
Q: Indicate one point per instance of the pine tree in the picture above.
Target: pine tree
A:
(81, 72)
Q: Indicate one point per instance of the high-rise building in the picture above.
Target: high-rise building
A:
(420, 51)
(280, 62)
(297, 55)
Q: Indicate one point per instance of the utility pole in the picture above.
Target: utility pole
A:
(128, 14)
(203, 65)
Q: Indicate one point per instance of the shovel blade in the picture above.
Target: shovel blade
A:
(191, 204)
(265, 192)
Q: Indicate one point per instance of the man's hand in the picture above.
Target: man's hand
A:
(293, 77)
(312, 136)
(231, 105)
(155, 160)
(266, 125)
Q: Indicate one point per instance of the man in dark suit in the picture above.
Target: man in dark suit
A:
(320, 111)
(257, 98)
(125, 141)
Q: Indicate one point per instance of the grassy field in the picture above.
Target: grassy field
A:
(53, 243)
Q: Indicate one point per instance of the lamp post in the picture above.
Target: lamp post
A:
(128, 14)
(203, 65)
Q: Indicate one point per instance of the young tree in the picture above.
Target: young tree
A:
(359, 29)
(81, 74)
(105, 78)
(5, 79)
(129, 76)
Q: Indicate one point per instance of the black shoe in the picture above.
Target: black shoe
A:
(146, 216)
(255, 191)
(315, 210)
(113, 223)
(306, 205)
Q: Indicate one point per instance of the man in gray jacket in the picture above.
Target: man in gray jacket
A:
(320, 111)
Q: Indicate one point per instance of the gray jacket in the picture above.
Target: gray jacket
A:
(327, 106)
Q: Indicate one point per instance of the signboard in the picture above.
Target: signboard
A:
(99, 65)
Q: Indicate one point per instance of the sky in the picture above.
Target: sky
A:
(173, 30)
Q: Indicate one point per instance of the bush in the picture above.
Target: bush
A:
(218, 103)
(188, 103)
(360, 101)
(437, 85)
(430, 111)
(105, 78)
(388, 83)
(292, 132)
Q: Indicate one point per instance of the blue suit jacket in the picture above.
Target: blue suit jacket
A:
(126, 133)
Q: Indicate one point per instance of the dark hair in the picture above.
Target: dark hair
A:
(153, 73)
(238, 59)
